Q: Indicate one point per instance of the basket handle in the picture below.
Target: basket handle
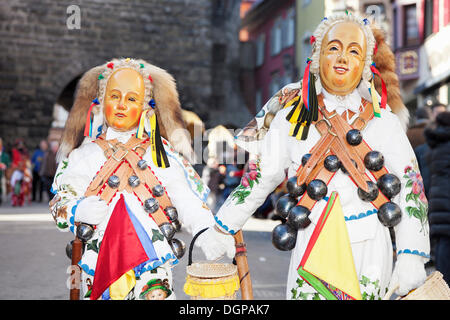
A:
(391, 292)
(191, 247)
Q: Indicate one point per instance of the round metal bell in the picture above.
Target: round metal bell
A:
(332, 163)
(284, 237)
(298, 217)
(353, 137)
(171, 213)
(374, 161)
(158, 190)
(151, 205)
(177, 225)
(69, 248)
(113, 181)
(142, 164)
(134, 181)
(284, 204)
(178, 248)
(294, 189)
(85, 232)
(389, 185)
(305, 158)
(371, 195)
(389, 214)
(317, 189)
(167, 229)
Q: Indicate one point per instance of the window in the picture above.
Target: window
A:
(275, 37)
(287, 78)
(258, 99)
(275, 84)
(410, 27)
(289, 29)
(260, 47)
(428, 24)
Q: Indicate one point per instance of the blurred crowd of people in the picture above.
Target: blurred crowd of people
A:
(27, 177)
(430, 138)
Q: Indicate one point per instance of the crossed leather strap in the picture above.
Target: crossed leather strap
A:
(333, 129)
(122, 161)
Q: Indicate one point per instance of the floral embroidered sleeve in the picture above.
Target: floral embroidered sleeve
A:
(411, 233)
(187, 192)
(263, 176)
(69, 184)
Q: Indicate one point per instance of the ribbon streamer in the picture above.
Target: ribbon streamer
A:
(140, 130)
(383, 87)
(89, 119)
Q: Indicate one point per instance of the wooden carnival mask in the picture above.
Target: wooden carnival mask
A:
(124, 99)
(342, 57)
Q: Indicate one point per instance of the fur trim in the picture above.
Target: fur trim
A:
(161, 88)
(86, 91)
(385, 63)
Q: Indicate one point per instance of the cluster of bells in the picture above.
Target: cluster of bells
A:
(296, 217)
(151, 205)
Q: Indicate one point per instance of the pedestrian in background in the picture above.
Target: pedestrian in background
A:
(36, 161)
(5, 161)
(436, 109)
(48, 168)
(21, 177)
(415, 133)
(438, 138)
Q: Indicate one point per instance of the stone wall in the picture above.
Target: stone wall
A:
(41, 58)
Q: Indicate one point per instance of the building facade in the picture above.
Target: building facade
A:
(47, 45)
(268, 51)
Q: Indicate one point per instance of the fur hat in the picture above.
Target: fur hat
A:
(385, 61)
(159, 87)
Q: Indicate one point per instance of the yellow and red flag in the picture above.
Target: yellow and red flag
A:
(327, 264)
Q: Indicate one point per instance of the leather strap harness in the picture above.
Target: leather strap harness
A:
(122, 161)
(333, 129)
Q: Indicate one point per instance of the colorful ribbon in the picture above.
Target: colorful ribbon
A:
(140, 130)
(90, 119)
(383, 86)
(306, 84)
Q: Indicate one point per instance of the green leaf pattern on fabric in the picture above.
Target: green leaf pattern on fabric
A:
(371, 290)
(248, 181)
(417, 195)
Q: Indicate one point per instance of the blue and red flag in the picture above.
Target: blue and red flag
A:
(125, 245)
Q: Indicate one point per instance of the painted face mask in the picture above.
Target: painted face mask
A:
(124, 99)
(342, 58)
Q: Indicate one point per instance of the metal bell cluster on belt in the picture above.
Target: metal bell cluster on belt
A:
(284, 236)
(170, 228)
(84, 232)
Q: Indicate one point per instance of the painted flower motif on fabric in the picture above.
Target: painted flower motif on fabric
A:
(416, 195)
(248, 181)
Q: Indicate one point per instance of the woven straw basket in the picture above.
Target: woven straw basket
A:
(434, 288)
(210, 281)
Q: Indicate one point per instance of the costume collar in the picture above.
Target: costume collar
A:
(350, 102)
(121, 136)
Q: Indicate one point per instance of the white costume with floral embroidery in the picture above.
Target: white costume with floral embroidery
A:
(370, 240)
(184, 188)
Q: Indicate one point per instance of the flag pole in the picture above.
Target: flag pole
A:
(242, 265)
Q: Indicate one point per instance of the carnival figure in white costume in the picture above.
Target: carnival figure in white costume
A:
(352, 173)
(122, 187)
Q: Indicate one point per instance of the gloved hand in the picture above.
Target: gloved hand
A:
(91, 210)
(409, 273)
(215, 244)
